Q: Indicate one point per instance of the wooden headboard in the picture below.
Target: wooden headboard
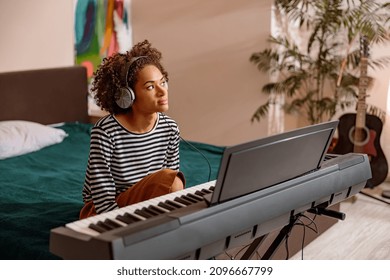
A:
(46, 96)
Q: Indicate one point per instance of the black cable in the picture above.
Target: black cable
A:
(301, 223)
(312, 222)
(197, 150)
(243, 248)
(193, 147)
(229, 256)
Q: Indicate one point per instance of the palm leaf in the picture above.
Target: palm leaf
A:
(330, 59)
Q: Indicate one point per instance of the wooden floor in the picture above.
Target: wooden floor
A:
(363, 235)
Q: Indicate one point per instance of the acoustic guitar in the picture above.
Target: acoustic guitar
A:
(360, 132)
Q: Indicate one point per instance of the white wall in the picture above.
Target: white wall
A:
(36, 34)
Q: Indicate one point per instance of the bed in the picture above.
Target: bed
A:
(41, 189)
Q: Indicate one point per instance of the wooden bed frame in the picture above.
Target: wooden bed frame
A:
(45, 96)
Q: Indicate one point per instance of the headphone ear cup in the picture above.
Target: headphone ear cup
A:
(126, 98)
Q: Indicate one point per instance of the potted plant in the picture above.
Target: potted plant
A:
(321, 76)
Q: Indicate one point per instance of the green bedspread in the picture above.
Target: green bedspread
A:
(42, 190)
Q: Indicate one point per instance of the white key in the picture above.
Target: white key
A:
(83, 225)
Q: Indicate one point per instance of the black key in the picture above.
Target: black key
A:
(212, 188)
(166, 206)
(97, 228)
(174, 204)
(112, 223)
(127, 218)
(150, 211)
(206, 191)
(143, 213)
(189, 199)
(194, 196)
(200, 193)
(156, 209)
(103, 225)
(182, 201)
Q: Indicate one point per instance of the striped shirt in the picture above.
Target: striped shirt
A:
(119, 158)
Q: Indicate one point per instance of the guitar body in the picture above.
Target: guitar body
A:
(372, 148)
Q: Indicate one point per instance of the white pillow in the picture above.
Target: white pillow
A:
(22, 137)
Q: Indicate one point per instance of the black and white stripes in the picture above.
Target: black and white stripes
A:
(119, 158)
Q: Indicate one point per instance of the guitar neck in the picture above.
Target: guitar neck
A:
(360, 123)
(361, 104)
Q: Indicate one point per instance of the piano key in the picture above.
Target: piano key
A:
(132, 209)
(200, 193)
(121, 216)
(143, 213)
(197, 196)
(97, 228)
(128, 218)
(174, 204)
(189, 199)
(166, 206)
(158, 209)
(182, 201)
(113, 216)
(82, 229)
(154, 204)
(93, 219)
(171, 197)
(84, 225)
(141, 218)
(150, 211)
(111, 223)
(105, 225)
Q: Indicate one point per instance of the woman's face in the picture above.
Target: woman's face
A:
(151, 91)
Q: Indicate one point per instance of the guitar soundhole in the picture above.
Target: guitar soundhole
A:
(359, 137)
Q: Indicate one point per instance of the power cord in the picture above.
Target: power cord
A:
(192, 147)
(312, 226)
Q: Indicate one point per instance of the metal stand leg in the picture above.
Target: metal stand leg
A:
(253, 247)
(283, 233)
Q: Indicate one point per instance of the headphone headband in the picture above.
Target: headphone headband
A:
(132, 60)
(125, 96)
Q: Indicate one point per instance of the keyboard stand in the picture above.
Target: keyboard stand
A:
(284, 233)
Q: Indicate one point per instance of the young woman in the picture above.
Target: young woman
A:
(134, 151)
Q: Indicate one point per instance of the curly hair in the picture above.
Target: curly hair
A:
(110, 75)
